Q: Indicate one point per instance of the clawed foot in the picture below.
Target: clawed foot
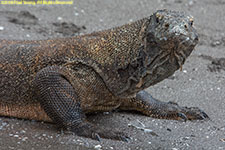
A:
(96, 133)
(174, 111)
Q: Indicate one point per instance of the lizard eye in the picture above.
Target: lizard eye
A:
(191, 21)
(157, 20)
(158, 17)
(167, 25)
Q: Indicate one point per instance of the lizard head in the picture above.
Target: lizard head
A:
(168, 38)
(173, 34)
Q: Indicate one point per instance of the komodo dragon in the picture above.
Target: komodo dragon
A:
(60, 80)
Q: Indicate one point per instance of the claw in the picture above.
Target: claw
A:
(182, 116)
(203, 115)
(171, 102)
(97, 137)
(125, 139)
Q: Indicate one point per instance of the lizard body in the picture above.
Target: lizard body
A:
(60, 80)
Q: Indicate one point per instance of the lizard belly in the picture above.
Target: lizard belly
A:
(29, 111)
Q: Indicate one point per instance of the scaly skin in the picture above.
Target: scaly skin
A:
(60, 80)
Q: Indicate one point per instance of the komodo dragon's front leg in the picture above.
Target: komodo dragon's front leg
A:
(62, 104)
(146, 104)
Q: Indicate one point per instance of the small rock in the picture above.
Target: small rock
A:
(215, 43)
(22, 131)
(59, 18)
(98, 147)
(82, 11)
(191, 2)
(4, 124)
(168, 129)
(24, 139)
(147, 130)
(1, 28)
(184, 71)
(16, 136)
(105, 113)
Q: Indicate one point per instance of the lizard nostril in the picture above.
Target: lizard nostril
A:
(185, 26)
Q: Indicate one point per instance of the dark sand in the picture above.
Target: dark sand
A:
(201, 83)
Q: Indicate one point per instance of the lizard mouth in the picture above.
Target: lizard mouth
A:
(177, 49)
(184, 49)
(171, 52)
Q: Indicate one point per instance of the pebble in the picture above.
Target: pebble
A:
(16, 136)
(106, 113)
(22, 131)
(184, 71)
(59, 18)
(82, 11)
(147, 130)
(190, 3)
(24, 139)
(50, 137)
(1, 28)
(10, 147)
(98, 147)
(215, 43)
